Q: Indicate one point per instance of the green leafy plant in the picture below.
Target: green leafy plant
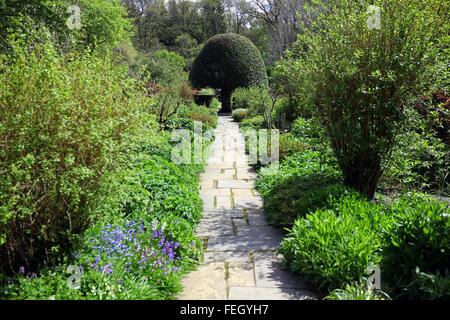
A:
(357, 292)
(419, 238)
(166, 68)
(333, 247)
(428, 286)
(195, 112)
(239, 114)
(357, 87)
(252, 122)
(301, 183)
(419, 160)
(289, 145)
(65, 123)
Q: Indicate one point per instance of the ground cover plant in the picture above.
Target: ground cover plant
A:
(334, 247)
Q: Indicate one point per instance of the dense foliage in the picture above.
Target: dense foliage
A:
(227, 62)
(357, 87)
(58, 140)
(417, 243)
(301, 183)
(336, 246)
(102, 23)
(88, 177)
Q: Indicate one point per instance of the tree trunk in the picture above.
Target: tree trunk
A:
(362, 175)
(225, 98)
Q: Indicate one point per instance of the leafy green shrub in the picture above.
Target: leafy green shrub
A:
(284, 110)
(160, 187)
(204, 118)
(309, 130)
(166, 68)
(104, 23)
(252, 122)
(158, 209)
(287, 191)
(357, 87)
(226, 62)
(52, 285)
(288, 77)
(419, 238)
(427, 286)
(333, 247)
(215, 104)
(289, 145)
(239, 114)
(357, 292)
(250, 99)
(419, 161)
(199, 113)
(65, 124)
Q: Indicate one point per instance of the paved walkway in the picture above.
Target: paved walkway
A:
(239, 261)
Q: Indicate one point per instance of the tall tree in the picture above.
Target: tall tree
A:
(213, 17)
(282, 20)
(226, 62)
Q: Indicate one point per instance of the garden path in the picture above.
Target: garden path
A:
(239, 260)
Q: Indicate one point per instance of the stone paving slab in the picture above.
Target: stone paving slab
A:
(206, 283)
(247, 169)
(234, 184)
(215, 192)
(226, 256)
(258, 293)
(215, 226)
(256, 217)
(213, 171)
(256, 232)
(246, 176)
(221, 165)
(242, 192)
(219, 176)
(241, 274)
(206, 184)
(248, 202)
(232, 213)
(239, 222)
(241, 164)
(260, 242)
(208, 201)
(223, 202)
(269, 272)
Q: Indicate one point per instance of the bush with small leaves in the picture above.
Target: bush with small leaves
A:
(226, 62)
(239, 114)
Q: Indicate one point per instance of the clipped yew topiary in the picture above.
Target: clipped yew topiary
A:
(226, 62)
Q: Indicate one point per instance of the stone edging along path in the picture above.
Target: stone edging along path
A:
(239, 261)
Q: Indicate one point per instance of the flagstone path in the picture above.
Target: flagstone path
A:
(239, 261)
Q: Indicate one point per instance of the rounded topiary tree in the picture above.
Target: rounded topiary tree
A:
(226, 62)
